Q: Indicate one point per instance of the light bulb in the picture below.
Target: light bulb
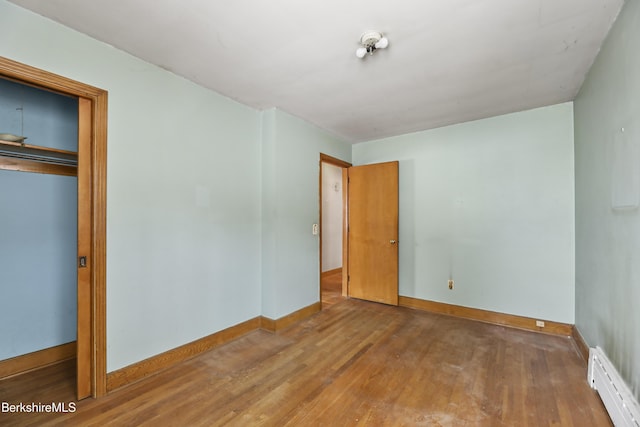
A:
(382, 43)
(361, 52)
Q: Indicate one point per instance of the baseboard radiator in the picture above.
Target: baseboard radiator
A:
(615, 394)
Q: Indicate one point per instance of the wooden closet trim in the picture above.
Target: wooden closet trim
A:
(98, 166)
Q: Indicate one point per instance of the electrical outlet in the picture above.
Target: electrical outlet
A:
(539, 323)
(450, 283)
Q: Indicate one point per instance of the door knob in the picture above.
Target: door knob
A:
(393, 242)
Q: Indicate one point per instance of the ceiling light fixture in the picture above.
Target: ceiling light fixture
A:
(371, 41)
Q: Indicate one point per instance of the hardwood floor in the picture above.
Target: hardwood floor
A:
(355, 363)
(331, 289)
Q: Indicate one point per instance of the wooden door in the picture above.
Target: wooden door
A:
(84, 339)
(373, 232)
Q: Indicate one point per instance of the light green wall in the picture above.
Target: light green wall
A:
(290, 206)
(183, 192)
(488, 203)
(608, 240)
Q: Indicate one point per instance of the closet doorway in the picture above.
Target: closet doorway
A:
(91, 211)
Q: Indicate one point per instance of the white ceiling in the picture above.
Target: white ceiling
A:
(448, 61)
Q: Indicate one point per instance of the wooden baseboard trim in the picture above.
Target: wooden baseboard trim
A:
(493, 317)
(267, 324)
(331, 272)
(581, 344)
(288, 320)
(159, 362)
(37, 359)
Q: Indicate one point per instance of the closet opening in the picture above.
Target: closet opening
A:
(39, 227)
(53, 224)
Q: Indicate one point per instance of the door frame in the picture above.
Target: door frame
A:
(93, 151)
(324, 158)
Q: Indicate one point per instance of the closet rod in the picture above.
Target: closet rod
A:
(38, 154)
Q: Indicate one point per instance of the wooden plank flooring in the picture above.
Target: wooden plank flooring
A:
(355, 363)
(331, 289)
